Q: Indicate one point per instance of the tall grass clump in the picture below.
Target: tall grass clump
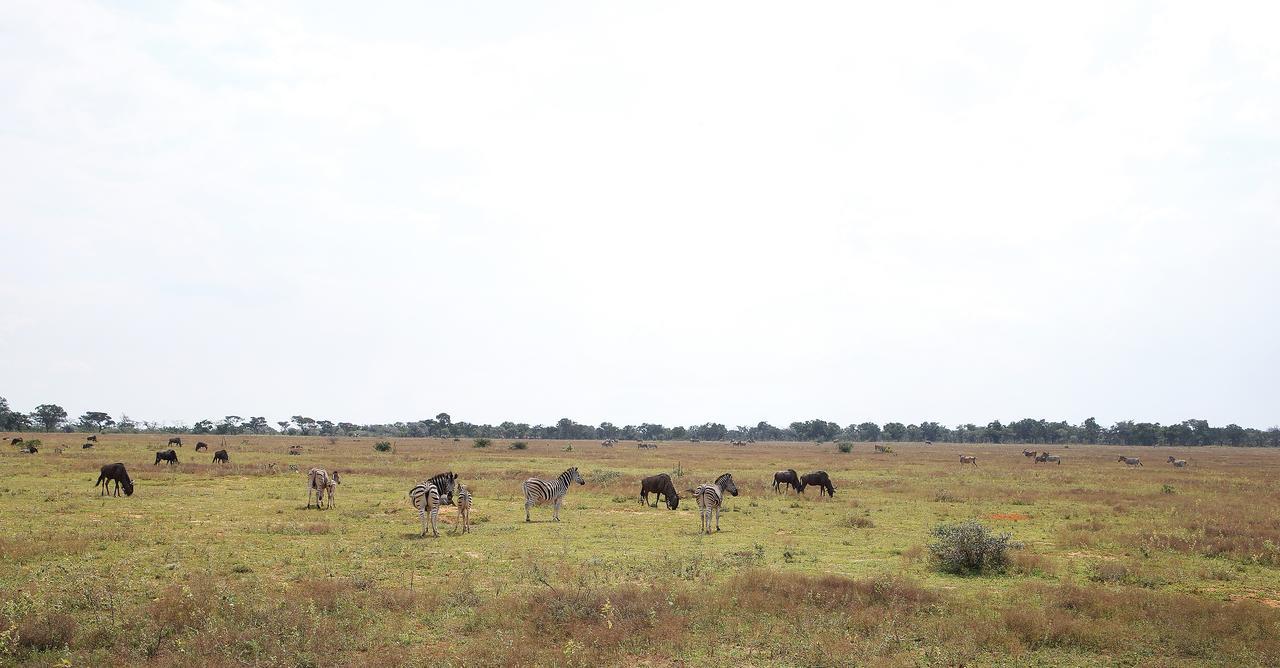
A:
(480, 443)
(844, 446)
(519, 445)
(969, 548)
(382, 446)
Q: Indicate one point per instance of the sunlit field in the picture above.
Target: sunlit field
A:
(208, 564)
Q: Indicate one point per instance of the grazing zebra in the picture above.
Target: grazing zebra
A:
(1177, 463)
(710, 497)
(968, 459)
(1131, 461)
(426, 497)
(464, 508)
(318, 483)
(538, 491)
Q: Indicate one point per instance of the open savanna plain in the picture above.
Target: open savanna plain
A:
(221, 565)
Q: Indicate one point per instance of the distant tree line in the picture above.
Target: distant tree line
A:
(52, 417)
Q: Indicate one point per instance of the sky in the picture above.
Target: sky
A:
(663, 212)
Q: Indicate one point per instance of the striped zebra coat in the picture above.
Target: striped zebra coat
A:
(709, 498)
(428, 495)
(464, 509)
(538, 491)
(318, 483)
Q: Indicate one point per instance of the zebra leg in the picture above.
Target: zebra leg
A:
(555, 510)
(422, 515)
(717, 518)
(434, 513)
(526, 511)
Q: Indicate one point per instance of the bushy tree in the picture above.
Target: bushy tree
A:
(49, 416)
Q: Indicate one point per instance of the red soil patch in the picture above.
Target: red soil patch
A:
(1008, 516)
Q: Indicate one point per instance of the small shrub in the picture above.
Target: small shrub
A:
(518, 445)
(1166, 489)
(944, 496)
(568, 448)
(844, 446)
(382, 446)
(480, 443)
(857, 522)
(969, 547)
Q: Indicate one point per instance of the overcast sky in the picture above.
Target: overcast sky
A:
(666, 212)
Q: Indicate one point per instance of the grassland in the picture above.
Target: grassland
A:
(214, 565)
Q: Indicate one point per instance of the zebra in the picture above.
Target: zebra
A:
(426, 497)
(709, 498)
(464, 508)
(968, 459)
(318, 482)
(1177, 463)
(538, 491)
(332, 488)
(1131, 461)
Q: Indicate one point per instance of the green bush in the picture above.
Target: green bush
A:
(968, 548)
(480, 443)
(382, 446)
(519, 445)
(844, 446)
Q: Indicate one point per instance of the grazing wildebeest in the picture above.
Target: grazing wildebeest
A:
(170, 456)
(1046, 457)
(821, 480)
(1028, 453)
(968, 459)
(114, 472)
(17, 440)
(1177, 463)
(1131, 461)
(92, 438)
(220, 457)
(176, 440)
(86, 446)
(201, 445)
(661, 487)
(787, 477)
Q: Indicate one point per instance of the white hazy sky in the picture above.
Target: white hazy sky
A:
(668, 212)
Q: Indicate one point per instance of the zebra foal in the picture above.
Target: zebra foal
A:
(318, 481)
(463, 500)
(538, 491)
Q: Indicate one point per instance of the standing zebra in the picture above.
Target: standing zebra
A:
(318, 483)
(710, 497)
(538, 491)
(426, 497)
(464, 508)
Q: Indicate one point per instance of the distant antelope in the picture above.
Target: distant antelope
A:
(1131, 461)
(968, 459)
(1177, 463)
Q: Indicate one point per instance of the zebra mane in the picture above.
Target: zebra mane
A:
(727, 476)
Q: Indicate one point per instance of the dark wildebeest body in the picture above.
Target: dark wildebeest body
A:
(92, 438)
(170, 456)
(86, 446)
(821, 480)
(220, 457)
(201, 445)
(660, 486)
(787, 477)
(176, 440)
(15, 441)
(115, 472)
(1028, 453)
(29, 450)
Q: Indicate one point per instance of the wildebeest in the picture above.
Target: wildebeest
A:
(170, 456)
(86, 446)
(660, 486)
(968, 459)
(787, 477)
(1046, 457)
(176, 440)
(115, 472)
(819, 479)
(29, 450)
(220, 457)
(737, 442)
(16, 440)
(93, 438)
(1028, 453)
(647, 446)
(1177, 463)
(1131, 461)
(201, 445)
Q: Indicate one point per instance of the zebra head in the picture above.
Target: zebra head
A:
(334, 477)
(577, 477)
(726, 483)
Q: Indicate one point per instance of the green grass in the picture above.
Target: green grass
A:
(218, 565)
